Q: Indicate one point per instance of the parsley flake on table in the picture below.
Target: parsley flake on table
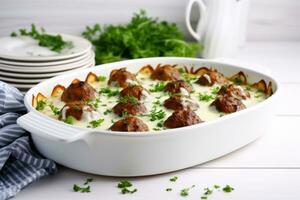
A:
(125, 186)
(169, 189)
(52, 42)
(228, 189)
(86, 189)
(174, 179)
(185, 191)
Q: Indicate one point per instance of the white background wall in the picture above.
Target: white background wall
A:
(268, 19)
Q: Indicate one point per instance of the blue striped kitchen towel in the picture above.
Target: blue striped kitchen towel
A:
(20, 164)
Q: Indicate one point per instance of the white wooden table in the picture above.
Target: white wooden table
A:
(266, 169)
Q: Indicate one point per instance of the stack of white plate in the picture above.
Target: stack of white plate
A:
(23, 63)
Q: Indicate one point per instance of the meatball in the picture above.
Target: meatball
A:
(79, 111)
(136, 91)
(122, 78)
(78, 91)
(129, 124)
(179, 86)
(228, 104)
(165, 73)
(211, 77)
(234, 91)
(129, 108)
(176, 102)
(181, 118)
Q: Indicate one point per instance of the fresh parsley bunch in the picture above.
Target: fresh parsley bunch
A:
(143, 36)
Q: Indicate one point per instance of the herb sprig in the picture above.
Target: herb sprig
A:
(125, 187)
(52, 42)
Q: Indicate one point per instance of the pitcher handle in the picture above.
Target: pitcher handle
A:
(202, 10)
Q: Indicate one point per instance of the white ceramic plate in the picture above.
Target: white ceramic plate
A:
(46, 63)
(30, 80)
(27, 49)
(46, 69)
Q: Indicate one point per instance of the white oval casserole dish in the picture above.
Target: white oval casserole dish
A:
(139, 154)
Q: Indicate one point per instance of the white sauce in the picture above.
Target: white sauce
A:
(205, 111)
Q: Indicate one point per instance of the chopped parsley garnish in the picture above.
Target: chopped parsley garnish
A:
(238, 81)
(228, 188)
(207, 191)
(54, 109)
(181, 70)
(86, 189)
(101, 78)
(95, 123)
(185, 191)
(107, 111)
(109, 92)
(215, 90)
(52, 42)
(157, 103)
(248, 88)
(204, 197)
(69, 120)
(41, 105)
(189, 78)
(77, 188)
(129, 99)
(160, 124)
(94, 103)
(174, 179)
(124, 114)
(125, 186)
(158, 87)
(216, 186)
(169, 189)
(205, 97)
(156, 115)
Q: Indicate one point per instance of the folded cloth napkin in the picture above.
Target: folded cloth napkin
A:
(20, 164)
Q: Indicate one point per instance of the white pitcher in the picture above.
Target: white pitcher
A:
(221, 27)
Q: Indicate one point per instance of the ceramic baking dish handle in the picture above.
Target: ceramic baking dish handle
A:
(50, 129)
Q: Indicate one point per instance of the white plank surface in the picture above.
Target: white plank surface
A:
(268, 19)
(266, 169)
(249, 184)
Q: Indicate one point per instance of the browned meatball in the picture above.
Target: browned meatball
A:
(177, 102)
(178, 87)
(129, 108)
(211, 77)
(181, 118)
(228, 104)
(136, 91)
(129, 124)
(75, 110)
(165, 73)
(122, 78)
(234, 91)
(78, 91)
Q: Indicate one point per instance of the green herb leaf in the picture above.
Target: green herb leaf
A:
(129, 99)
(54, 109)
(77, 188)
(125, 185)
(216, 186)
(95, 123)
(101, 78)
(94, 103)
(41, 105)
(158, 87)
(185, 191)
(107, 111)
(109, 92)
(174, 179)
(205, 97)
(156, 115)
(207, 191)
(70, 120)
(169, 189)
(52, 42)
(228, 188)
(88, 180)
(215, 90)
